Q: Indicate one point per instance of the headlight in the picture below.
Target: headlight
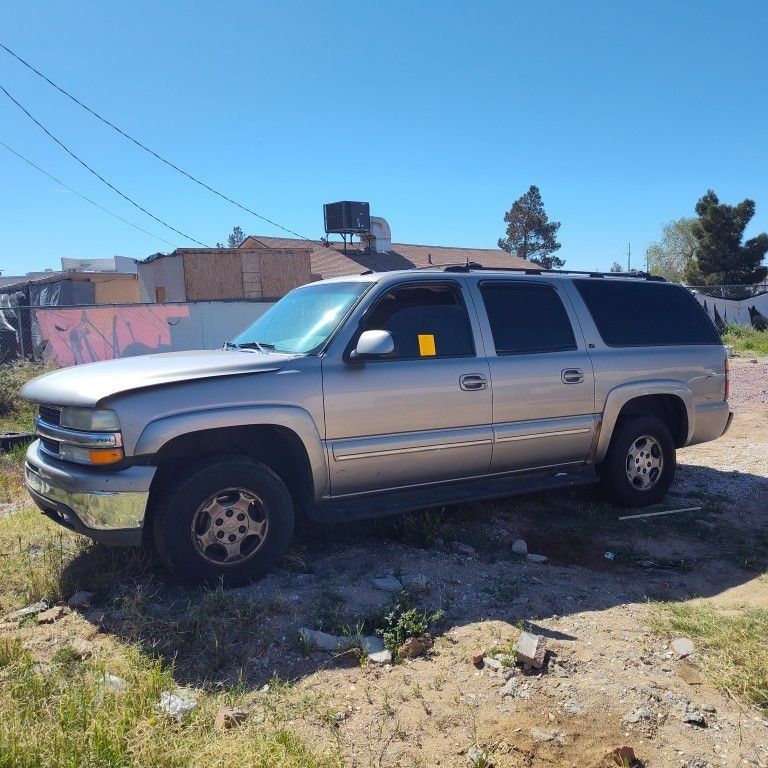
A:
(90, 420)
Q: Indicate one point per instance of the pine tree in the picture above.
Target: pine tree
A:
(530, 233)
(721, 256)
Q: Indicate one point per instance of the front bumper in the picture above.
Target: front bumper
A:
(108, 507)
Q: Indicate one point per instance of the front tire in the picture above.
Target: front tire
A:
(640, 465)
(228, 519)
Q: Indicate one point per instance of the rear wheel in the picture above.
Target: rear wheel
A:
(227, 519)
(640, 464)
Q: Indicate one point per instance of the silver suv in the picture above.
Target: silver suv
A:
(378, 394)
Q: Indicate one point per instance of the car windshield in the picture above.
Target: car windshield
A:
(303, 320)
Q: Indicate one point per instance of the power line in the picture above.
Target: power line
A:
(95, 173)
(151, 151)
(81, 195)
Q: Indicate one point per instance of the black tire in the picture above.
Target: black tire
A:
(618, 465)
(222, 491)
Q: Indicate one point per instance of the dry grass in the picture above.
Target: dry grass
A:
(16, 415)
(733, 646)
(64, 715)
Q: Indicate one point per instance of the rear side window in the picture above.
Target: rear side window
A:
(638, 313)
(526, 318)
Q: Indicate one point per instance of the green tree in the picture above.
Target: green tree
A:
(616, 267)
(721, 256)
(530, 233)
(670, 257)
(234, 239)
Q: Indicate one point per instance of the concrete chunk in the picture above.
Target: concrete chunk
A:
(531, 650)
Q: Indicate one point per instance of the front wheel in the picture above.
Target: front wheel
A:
(227, 519)
(640, 464)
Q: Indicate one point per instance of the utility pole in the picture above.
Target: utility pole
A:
(629, 257)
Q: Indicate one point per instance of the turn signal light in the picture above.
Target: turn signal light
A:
(108, 456)
(92, 456)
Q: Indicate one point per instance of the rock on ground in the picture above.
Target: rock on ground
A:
(52, 614)
(81, 600)
(415, 646)
(229, 717)
(380, 657)
(388, 584)
(30, 610)
(683, 647)
(519, 547)
(531, 650)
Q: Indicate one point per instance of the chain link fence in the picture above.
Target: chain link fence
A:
(731, 292)
(73, 335)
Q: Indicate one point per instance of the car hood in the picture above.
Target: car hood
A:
(86, 385)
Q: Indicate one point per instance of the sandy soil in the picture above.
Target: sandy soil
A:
(609, 681)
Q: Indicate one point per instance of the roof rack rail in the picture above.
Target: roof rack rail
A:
(471, 266)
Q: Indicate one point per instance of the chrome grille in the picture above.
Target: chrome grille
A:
(50, 415)
(49, 446)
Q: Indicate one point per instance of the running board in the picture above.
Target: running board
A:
(437, 495)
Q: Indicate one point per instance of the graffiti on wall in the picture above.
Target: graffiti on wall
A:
(752, 311)
(86, 334)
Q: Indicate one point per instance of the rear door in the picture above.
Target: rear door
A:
(541, 373)
(422, 415)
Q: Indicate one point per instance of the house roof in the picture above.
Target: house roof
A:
(331, 261)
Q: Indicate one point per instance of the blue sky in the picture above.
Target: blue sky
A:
(438, 113)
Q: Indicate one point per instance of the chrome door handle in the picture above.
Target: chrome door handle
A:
(472, 381)
(572, 375)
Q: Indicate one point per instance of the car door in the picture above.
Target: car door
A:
(421, 415)
(541, 373)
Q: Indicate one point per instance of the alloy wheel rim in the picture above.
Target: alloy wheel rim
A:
(645, 463)
(230, 526)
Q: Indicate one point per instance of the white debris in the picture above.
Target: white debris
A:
(114, 683)
(380, 657)
(321, 640)
(532, 558)
(178, 704)
(682, 646)
(30, 610)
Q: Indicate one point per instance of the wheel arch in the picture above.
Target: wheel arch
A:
(285, 439)
(670, 401)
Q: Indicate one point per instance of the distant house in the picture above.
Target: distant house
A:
(74, 288)
(379, 254)
(205, 274)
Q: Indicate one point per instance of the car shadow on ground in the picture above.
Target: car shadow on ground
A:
(595, 562)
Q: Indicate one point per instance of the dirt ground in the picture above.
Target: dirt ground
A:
(610, 680)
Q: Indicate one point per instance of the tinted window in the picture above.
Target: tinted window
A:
(526, 318)
(424, 320)
(635, 313)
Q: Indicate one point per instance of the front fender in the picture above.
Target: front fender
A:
(619, 396)
(157, 433)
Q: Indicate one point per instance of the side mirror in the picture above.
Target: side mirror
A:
(373, 344)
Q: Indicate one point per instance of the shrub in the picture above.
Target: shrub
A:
(402, 623)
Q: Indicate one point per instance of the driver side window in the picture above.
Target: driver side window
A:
(425, 320)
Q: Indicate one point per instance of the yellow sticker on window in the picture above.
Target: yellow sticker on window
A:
(427, 345)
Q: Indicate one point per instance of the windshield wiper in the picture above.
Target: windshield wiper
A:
(262, 347)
